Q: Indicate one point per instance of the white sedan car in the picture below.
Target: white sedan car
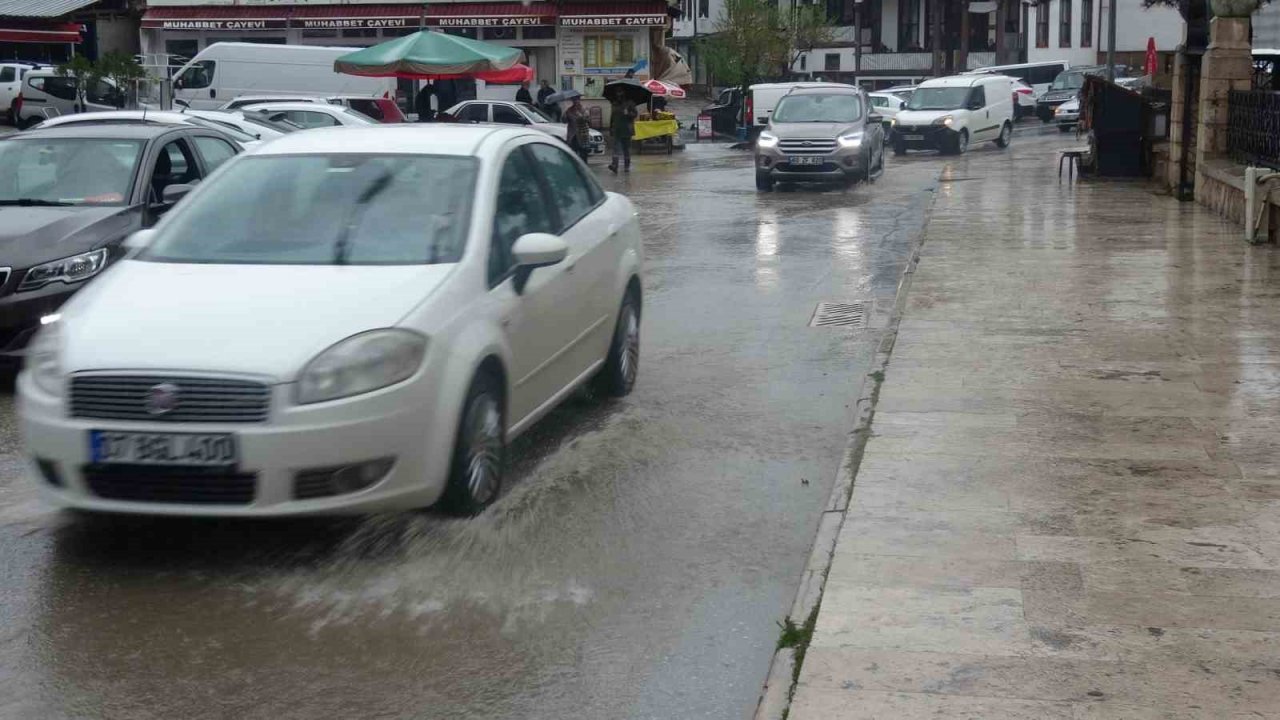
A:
(340, 321)
(312, 115)
(518, 113)
(167, 117)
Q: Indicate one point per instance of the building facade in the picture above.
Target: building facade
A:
(1076, 31)
(51, 31)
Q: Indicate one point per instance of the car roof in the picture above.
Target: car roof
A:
(292, 106)
(139, 131)
(159, 116)
(825, 90)
(411, 138)
(961, 80)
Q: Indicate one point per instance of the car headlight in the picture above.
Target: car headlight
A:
(946, 120)
(767, 139)
(76, 268)
(893, 121)
(852, 140)
(44, 358)
(360, 364)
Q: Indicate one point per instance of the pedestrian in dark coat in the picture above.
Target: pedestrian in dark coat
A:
(522, 95)
(579, 133)
(622, 123)
(544, 91)
(423, 104)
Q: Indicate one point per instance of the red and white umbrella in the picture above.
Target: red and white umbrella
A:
(657, 87)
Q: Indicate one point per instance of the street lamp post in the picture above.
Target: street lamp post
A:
(1111, 40)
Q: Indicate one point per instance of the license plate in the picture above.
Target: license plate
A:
(805, 160)
(187, 449)
(912, 137)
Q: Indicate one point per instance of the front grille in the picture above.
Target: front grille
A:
(189, 486)
(158, 398)
(4, 277)
(806, 147)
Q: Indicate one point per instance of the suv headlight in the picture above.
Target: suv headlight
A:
(767, 139)
(44, 358)
(851, 140)
(944, 120)
(360, 364)
(72, 269)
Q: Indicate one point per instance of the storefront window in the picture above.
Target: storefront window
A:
(500, 33)
(319, 33)
(360, 33)
(609, 51)
(539, 32)
(467, 32)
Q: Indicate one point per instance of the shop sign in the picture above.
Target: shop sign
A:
(491, 21)
(337, 24)
(217, 24)
(613, 20)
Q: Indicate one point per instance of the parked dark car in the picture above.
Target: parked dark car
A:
(726, 111)
(1066, 86)
(70, 195)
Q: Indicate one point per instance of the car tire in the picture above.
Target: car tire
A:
(958, 144)
(1006, 136)
(479, 451)
(622, 364)
(899, 147)
(1065, 128)
(764, 183)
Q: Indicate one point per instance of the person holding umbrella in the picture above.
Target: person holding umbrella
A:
(622, 123)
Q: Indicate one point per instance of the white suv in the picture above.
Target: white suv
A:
(950, 113)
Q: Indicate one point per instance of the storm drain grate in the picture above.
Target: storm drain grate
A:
(840, 315)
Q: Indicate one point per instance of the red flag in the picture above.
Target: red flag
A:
(1151, 57)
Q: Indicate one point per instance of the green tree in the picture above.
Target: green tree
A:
(123, 71)
(806, 28)
(749, 43)
(84, 72)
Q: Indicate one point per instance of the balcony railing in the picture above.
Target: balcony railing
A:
(1253, 127)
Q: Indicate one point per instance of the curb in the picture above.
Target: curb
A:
(775, 697)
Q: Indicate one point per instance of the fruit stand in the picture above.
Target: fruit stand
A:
(657, 129)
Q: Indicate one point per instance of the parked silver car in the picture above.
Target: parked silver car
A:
(820, 134)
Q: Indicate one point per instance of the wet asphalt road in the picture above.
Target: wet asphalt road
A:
(636, 567)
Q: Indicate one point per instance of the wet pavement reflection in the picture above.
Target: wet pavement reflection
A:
(635, 568)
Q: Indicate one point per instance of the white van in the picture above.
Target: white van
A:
(764, 97)
(1037, 74)
(226, 70)
(950, 113)
(46, 94)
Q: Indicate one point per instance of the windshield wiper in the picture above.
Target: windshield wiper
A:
(35, 202)
(357, 212)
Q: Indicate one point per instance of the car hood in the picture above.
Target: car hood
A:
(559, 130)
(33, 235)
(811, 130)
(923, 117)
(265, 320)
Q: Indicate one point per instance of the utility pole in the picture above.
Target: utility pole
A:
(935, 35)
(1111, 40)
(857, 39)
(962, 56)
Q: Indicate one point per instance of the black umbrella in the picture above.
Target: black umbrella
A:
(632, 89)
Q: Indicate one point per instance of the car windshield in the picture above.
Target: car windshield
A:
(236, 133)
(938, 98)
(67, 171)
(534, 113)
(815, 108)
(360, 115)
(331, 209)
(1068, 81)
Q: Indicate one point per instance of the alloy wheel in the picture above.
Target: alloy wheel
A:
(629, 358)
(484, 448)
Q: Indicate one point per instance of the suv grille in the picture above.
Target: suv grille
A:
(806, 147)
(157, 398)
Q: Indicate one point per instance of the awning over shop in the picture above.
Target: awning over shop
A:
(209, 17)
(309, 17)
(46, 33)
(40, 8)
(638, 14)
(511, 14)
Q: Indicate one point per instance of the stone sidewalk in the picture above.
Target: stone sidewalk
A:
(1070, 503)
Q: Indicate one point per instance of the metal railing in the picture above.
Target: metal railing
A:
(1253, 127)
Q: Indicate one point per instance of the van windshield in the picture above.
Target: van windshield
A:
(1068, 81)
(938, 98)
(815, 108)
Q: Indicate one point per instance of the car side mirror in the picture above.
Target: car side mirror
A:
(181, 103)
(536, 250)
(173, 193)
(975, 105)
(138, 240)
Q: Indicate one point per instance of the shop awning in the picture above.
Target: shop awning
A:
(511, 14)
(50, 33)
(41, 8)
(356, 16)
(209, 17)
(637, 14)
